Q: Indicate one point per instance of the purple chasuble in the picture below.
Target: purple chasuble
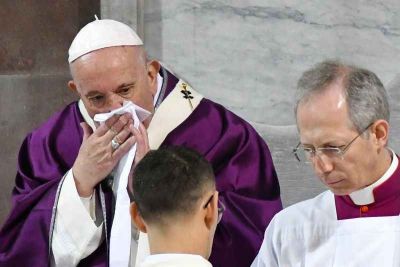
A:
(387, 201)
(245, 177)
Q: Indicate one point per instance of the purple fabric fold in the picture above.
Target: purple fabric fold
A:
(245, 174)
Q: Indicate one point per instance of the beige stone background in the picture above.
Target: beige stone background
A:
(246, 55)
(35, 36)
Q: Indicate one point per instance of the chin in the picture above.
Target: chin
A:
(341, 191)
(338, 188)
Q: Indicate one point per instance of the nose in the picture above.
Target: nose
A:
(322, 164)
(115, 101)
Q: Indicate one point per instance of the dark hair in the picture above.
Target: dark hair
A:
(170, 181)
(365, 94)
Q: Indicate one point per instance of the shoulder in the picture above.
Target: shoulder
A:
(66, 115)
(221, 118)
(220, 110)
(59, 120)
(50, 150)
(316, 209)
(60, 136)
(211, 123)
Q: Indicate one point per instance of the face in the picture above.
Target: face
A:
(323, 121)
(106, 77)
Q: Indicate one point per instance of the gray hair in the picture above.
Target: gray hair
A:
(365, 94)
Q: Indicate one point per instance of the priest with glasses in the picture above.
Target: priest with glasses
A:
(342, 115)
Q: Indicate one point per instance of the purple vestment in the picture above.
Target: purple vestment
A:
(245, 177)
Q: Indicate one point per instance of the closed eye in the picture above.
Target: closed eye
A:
(124, 90)
(96, 98)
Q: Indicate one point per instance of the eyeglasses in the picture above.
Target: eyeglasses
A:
(307, 154)
(221, 207)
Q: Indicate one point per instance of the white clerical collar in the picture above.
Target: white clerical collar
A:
(90, 121)
(365, 196)
(160, 81)
(158, 259)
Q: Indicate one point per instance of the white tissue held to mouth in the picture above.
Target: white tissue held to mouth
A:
(127, 107)
(120, 238)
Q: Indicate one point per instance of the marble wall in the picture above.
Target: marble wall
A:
(121, 10)
(248, 56)
(34, 72)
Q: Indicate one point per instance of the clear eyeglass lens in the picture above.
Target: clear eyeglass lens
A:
(306, 155)
(331, 151)
(303, 155)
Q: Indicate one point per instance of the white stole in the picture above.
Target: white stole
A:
(120, 238)
(170, 114)
(174, 109)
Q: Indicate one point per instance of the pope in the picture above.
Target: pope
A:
(69, 199)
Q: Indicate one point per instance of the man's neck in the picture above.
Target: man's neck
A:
(178, 239)
(384, 171)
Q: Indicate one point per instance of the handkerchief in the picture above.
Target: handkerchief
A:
(120, 238)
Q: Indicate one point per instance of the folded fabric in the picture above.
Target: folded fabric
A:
(120, 238)
(127, 107)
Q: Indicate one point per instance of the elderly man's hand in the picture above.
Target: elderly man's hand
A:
(97, 158)
(142, 141)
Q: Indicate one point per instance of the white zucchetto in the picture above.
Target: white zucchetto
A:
(101, 34)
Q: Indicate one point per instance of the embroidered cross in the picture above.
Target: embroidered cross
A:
(187, 94)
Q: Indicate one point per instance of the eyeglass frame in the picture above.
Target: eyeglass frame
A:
(340, 150)
(221, 207)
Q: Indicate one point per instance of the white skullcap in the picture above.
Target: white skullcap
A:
(101, 34)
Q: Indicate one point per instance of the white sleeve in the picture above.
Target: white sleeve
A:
(75, 234)
(267, 254)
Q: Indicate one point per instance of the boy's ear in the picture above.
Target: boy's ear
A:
(137, 218)
(211, 214)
